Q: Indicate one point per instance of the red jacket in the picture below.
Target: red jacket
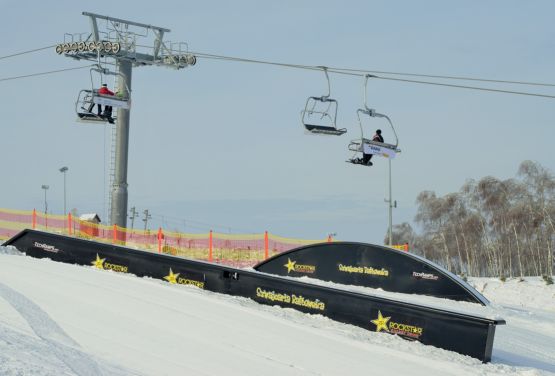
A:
(105, 91)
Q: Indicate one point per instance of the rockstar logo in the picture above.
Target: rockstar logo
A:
(98, 263)
(290, 265)
(381, 322)
(171, 278)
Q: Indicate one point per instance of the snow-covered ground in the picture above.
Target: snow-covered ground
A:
(59, 319)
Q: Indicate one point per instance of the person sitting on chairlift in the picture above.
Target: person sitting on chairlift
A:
(107, 109)
(365, 160)
(377, 138)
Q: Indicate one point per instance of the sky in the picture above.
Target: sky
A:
(107, 323)
(220, 145)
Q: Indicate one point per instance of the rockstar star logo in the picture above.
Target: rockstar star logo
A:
(381, 322)
(290, 265)
(98, 263)
(171, 278)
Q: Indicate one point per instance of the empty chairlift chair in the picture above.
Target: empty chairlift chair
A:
(320, 114)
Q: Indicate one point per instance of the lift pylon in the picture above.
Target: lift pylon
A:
(130, 44)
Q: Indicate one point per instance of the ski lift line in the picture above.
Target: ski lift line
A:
(43, 73)
(360, 72)
(445, 77)
(26, 52)
(350, 73)
(332, 69)
(468, 87)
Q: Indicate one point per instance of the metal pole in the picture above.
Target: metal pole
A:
(65, 212)
(119, 188)
(390, 208)
(45, 187)
(63, 170)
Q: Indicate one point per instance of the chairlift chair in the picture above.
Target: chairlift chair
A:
(87, 99)
(366, 146)
(320, 114)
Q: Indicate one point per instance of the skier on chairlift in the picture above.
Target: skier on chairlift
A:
(107, 109)
(365, 160)
(377, 138)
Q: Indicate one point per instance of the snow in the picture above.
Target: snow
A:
(59, 319)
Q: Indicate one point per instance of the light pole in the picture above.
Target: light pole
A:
(63, 170)
(45, 187)
(392, 204)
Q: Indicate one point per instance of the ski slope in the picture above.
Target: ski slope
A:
(59, 319)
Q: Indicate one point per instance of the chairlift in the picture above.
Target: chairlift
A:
(367, 146)
(87, 99)
(320, 113)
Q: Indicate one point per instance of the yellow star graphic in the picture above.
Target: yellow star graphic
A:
(98, 263)
(171, 278)
(290, 265)
(381, 322)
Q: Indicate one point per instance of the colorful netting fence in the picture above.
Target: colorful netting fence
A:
(239, 250)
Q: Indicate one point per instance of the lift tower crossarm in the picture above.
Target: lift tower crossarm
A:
(121, 21)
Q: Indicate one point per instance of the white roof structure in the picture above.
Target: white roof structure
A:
(90, 217)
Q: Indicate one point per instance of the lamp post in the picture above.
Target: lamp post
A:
(392, 204)
(63, 170)
(45, 187)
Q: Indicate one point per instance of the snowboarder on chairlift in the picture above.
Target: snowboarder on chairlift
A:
(377, 138)
(107, 109)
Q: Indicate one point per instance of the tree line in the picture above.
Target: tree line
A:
(491, 227)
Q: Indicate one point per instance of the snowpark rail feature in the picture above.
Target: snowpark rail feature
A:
(463, 333)
(373, 266)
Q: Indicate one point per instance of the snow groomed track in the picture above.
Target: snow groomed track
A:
(466, 334)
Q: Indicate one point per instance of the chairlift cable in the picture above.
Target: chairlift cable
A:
(360, 72)
(348, 72)
(336, 70)
(43, 73)
(468, 87)
(445, 77)
(26, 52)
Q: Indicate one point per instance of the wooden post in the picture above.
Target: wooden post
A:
(266, 245)
(34, 218)
(210, 247)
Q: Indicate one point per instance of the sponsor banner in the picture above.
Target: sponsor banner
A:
(185, 279)
(46, 247)
(292, 266)
(368, 270)
(379, 150)
(293, 299)
(390, 325)
(117, 103)
(422, 275)
(103, 264)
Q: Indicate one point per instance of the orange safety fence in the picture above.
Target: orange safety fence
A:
(401, 247)
(240, 250)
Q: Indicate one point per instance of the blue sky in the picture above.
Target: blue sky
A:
(220, 144)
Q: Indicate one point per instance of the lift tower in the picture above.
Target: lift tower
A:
(130, 44)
